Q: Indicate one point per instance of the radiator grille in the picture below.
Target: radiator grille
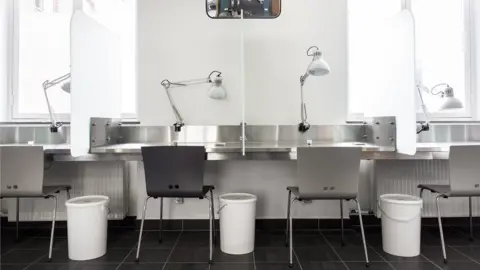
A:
(403, 176)
(92, 178)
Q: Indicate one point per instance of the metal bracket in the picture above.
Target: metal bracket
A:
(382, 131)
(105, 131)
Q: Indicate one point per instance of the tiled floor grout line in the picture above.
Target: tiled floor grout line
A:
(376, 250)
(126, 257)
(131, 250)
(37, 260)
(298, 260)
(475, 261)
(432, 262)
(464, 233)
(330, 245)
(453, 247)
(10, 250)
(171, 252)
(254, 263)
(380, 255)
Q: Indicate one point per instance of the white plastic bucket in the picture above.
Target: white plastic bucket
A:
(237, 223)
(87, 227)
(401, 224)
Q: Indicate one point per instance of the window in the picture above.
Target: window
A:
(42, 52)
(442, 48)
(363, 29)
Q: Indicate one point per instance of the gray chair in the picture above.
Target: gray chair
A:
(176, 172)
(326, 173)
(464, 166)
(21, 169)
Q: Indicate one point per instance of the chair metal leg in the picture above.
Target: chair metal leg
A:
(363, 233)
(141, 228)
(290, 230)
(161, 222)
(471, 217)
(210, 216)
(53, 226)
(213, 217)
(441, 228)
(421, 197)
(341, 221)
(18, 218)
(288, 217)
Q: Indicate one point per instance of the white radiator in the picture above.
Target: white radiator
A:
(403, 176)
(86, 178)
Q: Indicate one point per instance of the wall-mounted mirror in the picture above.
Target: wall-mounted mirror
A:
(252, 9)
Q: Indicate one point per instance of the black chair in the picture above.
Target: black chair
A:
(176, 172)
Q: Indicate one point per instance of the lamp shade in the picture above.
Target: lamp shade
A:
(217, 91)
(66, 87)
(318, 67)
(451, 102)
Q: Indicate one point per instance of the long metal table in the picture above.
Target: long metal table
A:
(112, 140)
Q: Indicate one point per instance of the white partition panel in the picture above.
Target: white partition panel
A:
(403, 61)
(96, 78)
(392, 92)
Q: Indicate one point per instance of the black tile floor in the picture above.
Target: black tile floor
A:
(188, 250)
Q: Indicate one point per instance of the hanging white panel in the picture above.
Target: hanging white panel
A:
(393, 91)
(403, 85)
(96, 78)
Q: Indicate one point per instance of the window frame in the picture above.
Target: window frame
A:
(13, 113)
(470, 71)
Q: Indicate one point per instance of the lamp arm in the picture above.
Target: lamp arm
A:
(174, 108)
(425, 126)
(304, 77)
(303, 126)
(168, 84)
(187, 83)
(46, 85)
(50, 111)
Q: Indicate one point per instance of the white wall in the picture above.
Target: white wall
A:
(5, 13)
(476, 58)
(4, 41)
(177, 41)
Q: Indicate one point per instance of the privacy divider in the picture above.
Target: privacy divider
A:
(96, 78)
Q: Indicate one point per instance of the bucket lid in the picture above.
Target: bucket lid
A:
(87, 201)
(238, 198)
(401, 199)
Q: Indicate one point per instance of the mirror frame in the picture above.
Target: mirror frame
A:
(236, 18)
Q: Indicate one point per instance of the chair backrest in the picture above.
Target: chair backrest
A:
(464, 164)
(21, 170)
(174, 171)
(328, 172)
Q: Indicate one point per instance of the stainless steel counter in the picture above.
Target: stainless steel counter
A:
(111, 140)
(132, 151)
